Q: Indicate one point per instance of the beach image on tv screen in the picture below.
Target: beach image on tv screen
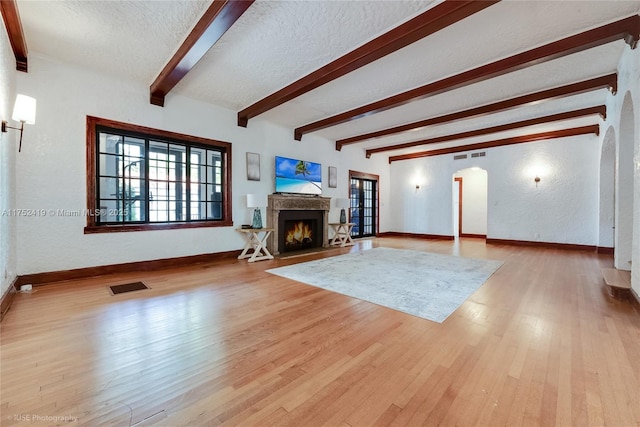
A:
(298, 176)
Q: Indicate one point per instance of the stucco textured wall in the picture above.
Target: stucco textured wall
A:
(562, 209)
(624, 183)
(627, 132)
(607, 188)
(8, 149)
(51, 170)
(426, 210)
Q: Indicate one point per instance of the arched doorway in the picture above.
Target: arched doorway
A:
(470, 189)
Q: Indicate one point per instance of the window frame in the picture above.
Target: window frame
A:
(93, 123)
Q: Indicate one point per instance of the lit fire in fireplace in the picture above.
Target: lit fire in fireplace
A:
(300, 233)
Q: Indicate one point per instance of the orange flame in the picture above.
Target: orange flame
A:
(299, 233)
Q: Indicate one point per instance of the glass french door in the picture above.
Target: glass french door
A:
(363, 211)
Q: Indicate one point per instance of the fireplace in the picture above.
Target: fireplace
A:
(299, 230)
(299, 222)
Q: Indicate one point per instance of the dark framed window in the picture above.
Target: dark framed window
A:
(140, 178)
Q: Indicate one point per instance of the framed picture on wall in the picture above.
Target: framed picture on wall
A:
(333, 177)
(253, 166)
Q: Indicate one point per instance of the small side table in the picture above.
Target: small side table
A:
(341, 234)
(256, 243)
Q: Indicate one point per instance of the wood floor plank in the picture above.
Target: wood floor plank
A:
(226, 343)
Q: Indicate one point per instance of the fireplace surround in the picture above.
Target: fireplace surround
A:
(293, 206)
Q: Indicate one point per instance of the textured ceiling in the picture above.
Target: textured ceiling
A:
(129, 39)
(277, 42)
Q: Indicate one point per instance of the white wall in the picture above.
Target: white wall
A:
(607, 189)
(474, 201)
(624, 185)
(51, 170)
(352, 157)
(562, 209)
(629, 89)
(8, 151)
(426, 210)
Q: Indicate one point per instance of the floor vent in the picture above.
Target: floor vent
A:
(460, 157)
(128, 287)
(480, 154)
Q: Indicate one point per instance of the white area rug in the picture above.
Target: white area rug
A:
(423, 284)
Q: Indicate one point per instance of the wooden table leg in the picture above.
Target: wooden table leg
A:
(258, 244)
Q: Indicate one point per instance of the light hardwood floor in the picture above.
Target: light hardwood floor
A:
(540, 343)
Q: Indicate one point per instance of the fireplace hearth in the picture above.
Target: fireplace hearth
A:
(300, 222)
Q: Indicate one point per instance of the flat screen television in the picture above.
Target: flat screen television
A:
(298, 176)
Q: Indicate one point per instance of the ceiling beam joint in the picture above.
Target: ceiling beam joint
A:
(215, 21)
(609, 81)
(561, 133)
(627, 29)
(429, 22)
(600, 110)
(12, 22)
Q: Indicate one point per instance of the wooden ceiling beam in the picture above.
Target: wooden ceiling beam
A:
(429, 22)
(609, 81)
(583, 112)
(561, 133)
(627, 29)
(12, 22)
(217, 19)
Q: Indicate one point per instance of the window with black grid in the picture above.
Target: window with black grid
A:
(142, 179)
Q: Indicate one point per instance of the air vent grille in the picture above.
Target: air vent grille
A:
(480, 154)
(128, 287)
(459, 157)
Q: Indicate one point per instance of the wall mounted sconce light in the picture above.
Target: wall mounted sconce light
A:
(24, 111)
(536, 180)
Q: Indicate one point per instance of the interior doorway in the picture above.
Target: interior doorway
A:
(469, 203)
(457, 206)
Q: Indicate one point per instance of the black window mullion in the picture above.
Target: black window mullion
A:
(120, 195)
(208, 207)
(374, 205)
(97, 177)
(147, 204)
(187, 178)
(222, 174)
(183, 174)
(210, 180)
(126, 193)
(167, 182)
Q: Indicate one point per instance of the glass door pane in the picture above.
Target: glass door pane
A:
(363, 196)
